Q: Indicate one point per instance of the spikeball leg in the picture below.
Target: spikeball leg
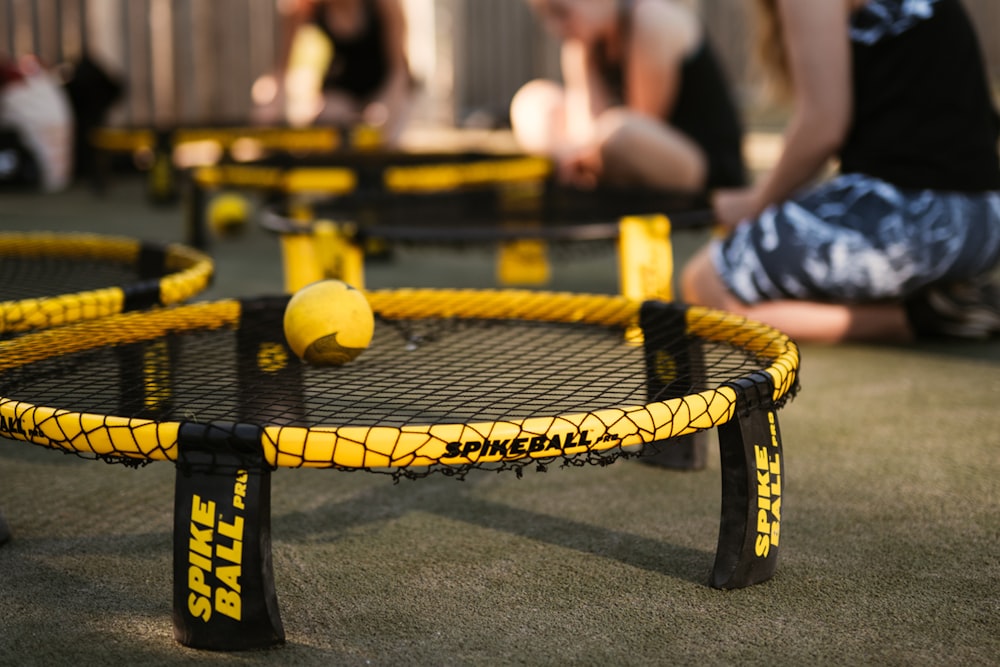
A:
(752, 476)
(672, 371)
(224, 595)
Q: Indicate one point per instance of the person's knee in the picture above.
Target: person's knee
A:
(618, 136)
(691, 279)
(647, 152)
(535, 111)
(702, 285)
(616, 128)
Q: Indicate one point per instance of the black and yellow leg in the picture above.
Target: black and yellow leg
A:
(523, 262)
(752, 478)
(195, 223)
(342, 257)
(326, 250)
(150, 365)
(645, 258)
(161, 185)
(674, 367)
(224, 594)
(224, 597)
(301, 263)
(266, 366)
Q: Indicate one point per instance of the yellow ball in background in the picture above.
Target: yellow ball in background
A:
(328, 323)
(228, 214)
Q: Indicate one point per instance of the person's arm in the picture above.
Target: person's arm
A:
(389, 109)
(268, 90)
(818, 48)
(585, 95)
(295, 14)
(662, 36)
(578, 159)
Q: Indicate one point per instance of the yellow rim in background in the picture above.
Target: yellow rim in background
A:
(297, 180)
(295, 139)
(397, 179)
(292, 139)
(190, 272)
(433, 178)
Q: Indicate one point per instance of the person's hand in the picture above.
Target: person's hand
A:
(338, 108)
(268, 95)
(580, 167)
(733, 206)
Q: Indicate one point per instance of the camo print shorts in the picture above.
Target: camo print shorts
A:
(859, 239)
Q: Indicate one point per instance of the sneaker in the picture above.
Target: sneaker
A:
(960, 310)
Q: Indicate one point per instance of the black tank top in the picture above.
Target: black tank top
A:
(360, 62)
(923, 113)
(703, 108)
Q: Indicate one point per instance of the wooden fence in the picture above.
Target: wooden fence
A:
(181, 60)
(194, 61)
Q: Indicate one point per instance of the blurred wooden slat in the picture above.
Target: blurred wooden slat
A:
(71, 30)
(502, 47)
(184, 62)
(162, 44)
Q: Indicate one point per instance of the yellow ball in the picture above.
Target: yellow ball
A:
(328, 323)
(228, 214)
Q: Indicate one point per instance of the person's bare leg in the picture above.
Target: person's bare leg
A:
(801, 320)
(537, 117)
(638, 150)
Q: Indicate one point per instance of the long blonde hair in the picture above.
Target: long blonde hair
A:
(770, 51)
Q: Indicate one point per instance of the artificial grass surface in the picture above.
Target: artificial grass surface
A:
(890, 537)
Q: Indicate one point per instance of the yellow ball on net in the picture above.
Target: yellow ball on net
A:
(328, 323)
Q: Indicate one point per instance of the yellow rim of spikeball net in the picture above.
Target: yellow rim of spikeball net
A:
(188, 272)
(399, 179)
(293, 180)
(457, 175)
(412, 445)
(314, 139)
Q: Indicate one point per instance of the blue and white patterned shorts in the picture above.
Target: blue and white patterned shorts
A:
(858, 239)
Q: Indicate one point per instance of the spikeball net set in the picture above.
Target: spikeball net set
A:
(450, 381)
(366, 185)
(414, 189)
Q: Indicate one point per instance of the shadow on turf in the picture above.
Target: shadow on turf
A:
(71, 578)
(670, 560)
(113, 618)
(329, 522)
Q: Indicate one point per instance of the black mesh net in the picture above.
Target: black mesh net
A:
(417, 371)
(41, 276)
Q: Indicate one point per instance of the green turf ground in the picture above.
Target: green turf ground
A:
(890, 542)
